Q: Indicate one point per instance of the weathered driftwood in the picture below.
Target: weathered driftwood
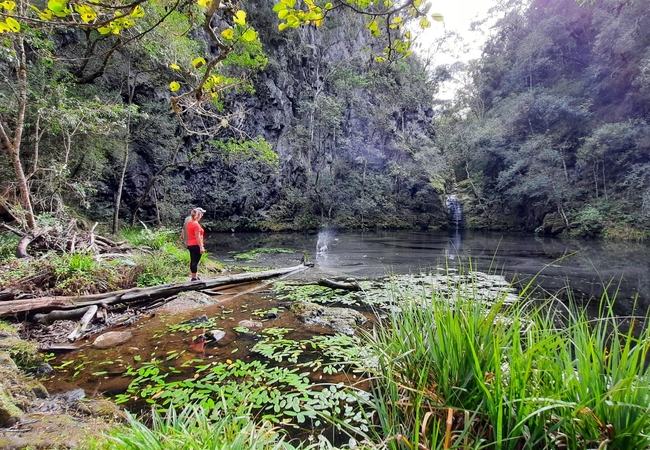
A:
(339, 285)
(21, 249)
(83, 323)
(43, 304)
(67, 314)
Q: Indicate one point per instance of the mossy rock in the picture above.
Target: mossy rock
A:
(9, 412)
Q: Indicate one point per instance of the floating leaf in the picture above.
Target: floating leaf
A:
(240, 17)
(438, 17)
(175, 66)
(198, 62)
(13, 24)
(249, 35)
(174, 86)
(228, 33)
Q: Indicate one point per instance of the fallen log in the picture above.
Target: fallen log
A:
(339, 285)
(52, 316)
(45, 304)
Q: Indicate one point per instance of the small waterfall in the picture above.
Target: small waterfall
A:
(454, 211)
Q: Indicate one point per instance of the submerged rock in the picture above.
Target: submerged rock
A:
(250, 324)
(218, 334)
(341, 320)
(112, 339)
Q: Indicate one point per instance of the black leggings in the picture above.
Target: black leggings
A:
(195, 257)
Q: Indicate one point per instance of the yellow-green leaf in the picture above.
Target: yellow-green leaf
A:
(104, 30)
(138, 11)
(13, 24)
(397, 19)
(228, 33)
(424, 23)
(380, 59)
(249, 35)
(282, 26)
(174, 86)
(279, 7)
(293, 21)
(240, 17)
(55, 6)
(328, 6)
(4, 28)
(289, 3)
(8, 5)
(86, 13)
(204, 3)
(437, 17)
(283, 14)
(46, 14)
(175, 66)
(198, 62)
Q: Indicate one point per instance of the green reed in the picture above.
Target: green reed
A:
(461, 373)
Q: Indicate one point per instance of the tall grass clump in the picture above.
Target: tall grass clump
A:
(192, 429)
(456, 372)
(195, 429)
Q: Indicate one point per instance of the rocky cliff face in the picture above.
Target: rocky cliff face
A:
(344, 127)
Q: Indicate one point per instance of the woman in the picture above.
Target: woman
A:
(195, 243)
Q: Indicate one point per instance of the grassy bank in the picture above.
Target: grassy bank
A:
(156, 257)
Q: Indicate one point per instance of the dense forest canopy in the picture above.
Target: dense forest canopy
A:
(552, 132)
(295, 115)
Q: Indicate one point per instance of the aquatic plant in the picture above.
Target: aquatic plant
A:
(255, 253)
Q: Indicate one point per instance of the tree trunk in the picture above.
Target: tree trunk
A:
(13, 145)
(43, 304)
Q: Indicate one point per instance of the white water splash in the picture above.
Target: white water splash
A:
(325, 238)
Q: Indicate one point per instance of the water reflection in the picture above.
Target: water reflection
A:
(554, 263)
(453, 245)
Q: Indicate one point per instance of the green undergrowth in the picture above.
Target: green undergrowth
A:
(156, 258)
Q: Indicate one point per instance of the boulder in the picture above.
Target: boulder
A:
(341, 320)
(112, 339)
(250, 324)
